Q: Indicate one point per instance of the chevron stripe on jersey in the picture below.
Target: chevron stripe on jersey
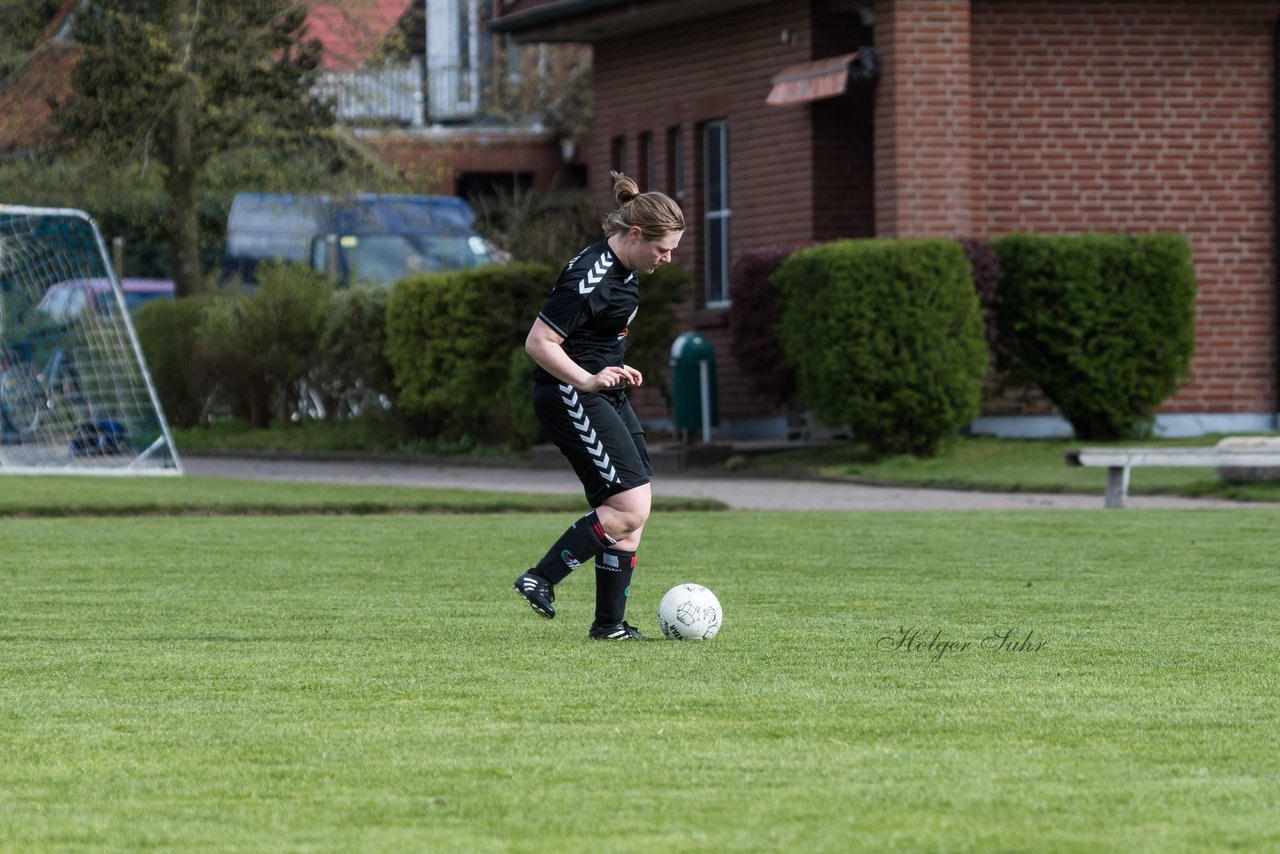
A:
(582, 423)
(595, 274)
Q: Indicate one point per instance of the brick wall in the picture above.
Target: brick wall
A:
(1142, 116)
(992, 116)
(924, 154)
(434, 163)
(683, 77)
(722, 69)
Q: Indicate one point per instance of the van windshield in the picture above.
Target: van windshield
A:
(385, 259)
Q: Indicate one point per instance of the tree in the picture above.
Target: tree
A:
(178, 82)
(23, 22)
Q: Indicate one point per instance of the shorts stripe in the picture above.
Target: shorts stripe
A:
(582, 424)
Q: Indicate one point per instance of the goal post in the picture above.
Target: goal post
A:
(75, 393)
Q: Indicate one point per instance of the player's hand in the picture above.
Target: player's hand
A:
(612, 377)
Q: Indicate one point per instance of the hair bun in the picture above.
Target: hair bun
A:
(625, 189)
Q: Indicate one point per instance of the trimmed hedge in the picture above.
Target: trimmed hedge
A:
(1104, 324)
(168, 333)
(449, 342)
(886, 338)
(446, 350)
(353, 373)
(527, 430)
(258, 349)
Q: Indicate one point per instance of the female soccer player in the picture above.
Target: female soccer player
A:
(578, 342)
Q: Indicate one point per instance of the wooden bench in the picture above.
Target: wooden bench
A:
(1118, 462)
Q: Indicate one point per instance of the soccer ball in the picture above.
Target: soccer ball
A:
(689, 612)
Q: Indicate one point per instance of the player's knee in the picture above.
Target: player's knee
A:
(634, 520)
(623, 518)
(622, 524)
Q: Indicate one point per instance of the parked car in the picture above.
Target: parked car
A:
(367, 237)
(78, 299)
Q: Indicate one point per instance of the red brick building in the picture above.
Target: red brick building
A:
(970, 118)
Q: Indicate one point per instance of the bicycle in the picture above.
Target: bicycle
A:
(29, 397)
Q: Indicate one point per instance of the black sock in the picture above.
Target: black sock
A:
(583, 540)
(613, 585)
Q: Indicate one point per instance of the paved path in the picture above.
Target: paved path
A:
(740, 493)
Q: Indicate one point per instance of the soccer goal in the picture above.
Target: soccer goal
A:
(75, 393)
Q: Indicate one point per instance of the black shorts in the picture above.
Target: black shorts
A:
(600, 436)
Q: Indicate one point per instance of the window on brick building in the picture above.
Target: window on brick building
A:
(675, 163)
(647, 173)
(715, 160)
(618, 154)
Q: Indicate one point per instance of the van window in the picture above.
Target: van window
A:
(385, 259)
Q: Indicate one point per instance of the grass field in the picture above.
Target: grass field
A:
(306, 683)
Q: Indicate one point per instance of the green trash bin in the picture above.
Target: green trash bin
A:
(695, 405)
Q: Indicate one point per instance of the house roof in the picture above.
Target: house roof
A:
(26, 120)
(353, 30)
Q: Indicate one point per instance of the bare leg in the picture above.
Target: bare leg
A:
(623, 516)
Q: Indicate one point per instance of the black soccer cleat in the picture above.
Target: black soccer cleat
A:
(538, 592)
(618, 631)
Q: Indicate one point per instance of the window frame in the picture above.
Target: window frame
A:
(618, 153)
(675, 162)
(715, 142)
(648, 174)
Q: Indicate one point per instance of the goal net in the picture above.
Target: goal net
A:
(75, 394)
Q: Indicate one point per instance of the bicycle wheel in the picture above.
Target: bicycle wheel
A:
(22, 400)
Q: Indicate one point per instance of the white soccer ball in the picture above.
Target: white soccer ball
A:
(690, 612)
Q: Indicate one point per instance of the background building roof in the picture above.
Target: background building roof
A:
(352, 31)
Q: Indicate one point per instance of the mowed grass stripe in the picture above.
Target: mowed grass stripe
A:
(368, 683)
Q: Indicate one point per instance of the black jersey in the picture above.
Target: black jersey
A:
(592, 304)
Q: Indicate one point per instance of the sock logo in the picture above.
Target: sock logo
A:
(569, 560)
(615, 562)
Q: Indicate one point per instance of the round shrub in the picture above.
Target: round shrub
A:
(885, 337)
(449, 341)
(1104, 324)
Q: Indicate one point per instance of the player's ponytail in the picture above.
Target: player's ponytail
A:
(656, 213)
(625, 190)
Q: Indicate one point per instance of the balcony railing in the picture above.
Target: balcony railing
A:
(389, 94)
(452, 92)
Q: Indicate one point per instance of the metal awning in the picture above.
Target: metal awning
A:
(822, 78)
